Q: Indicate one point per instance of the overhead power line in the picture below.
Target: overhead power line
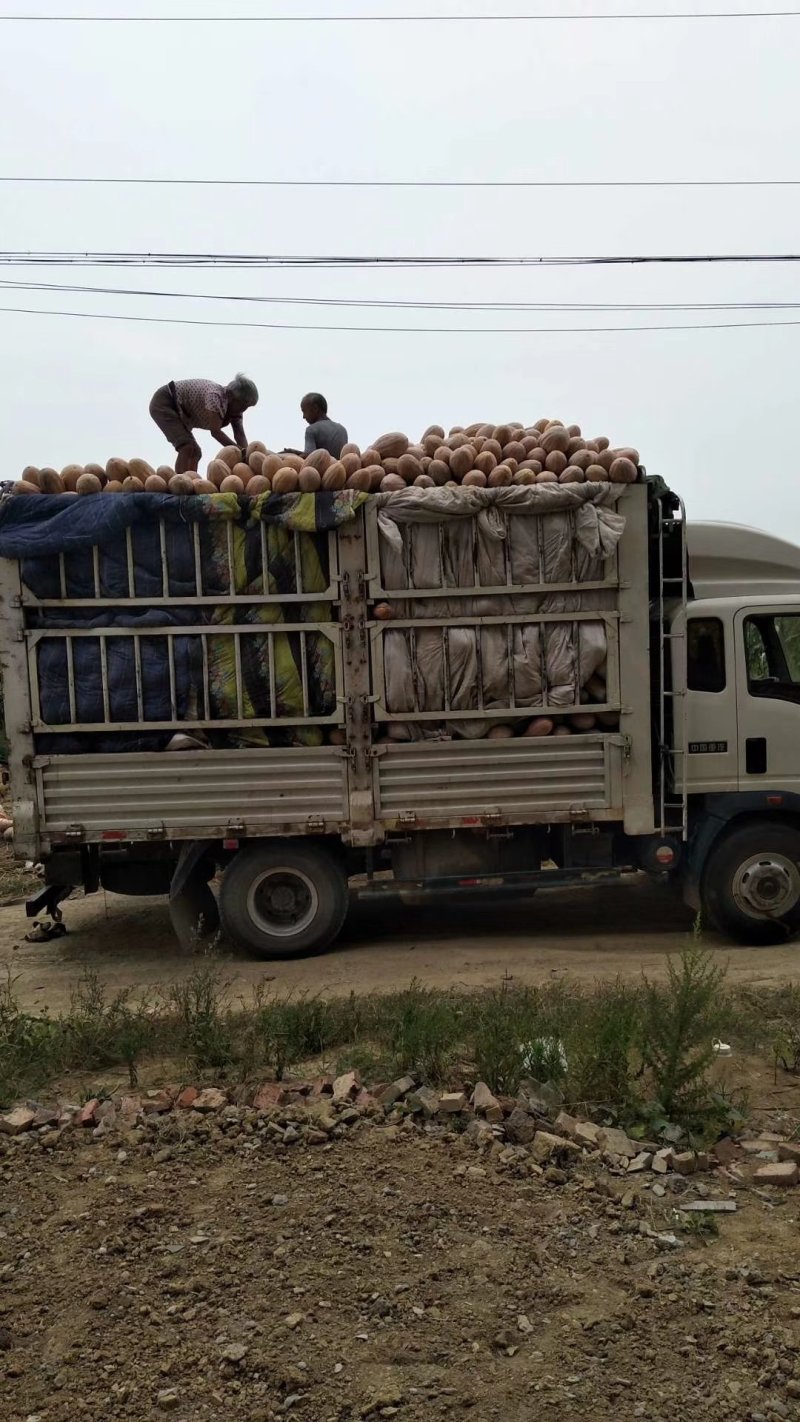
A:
(246, 262)
(399, 19)
(413, 182)
(394, 330)
(375, 304)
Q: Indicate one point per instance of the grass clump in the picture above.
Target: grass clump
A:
(639, 1054)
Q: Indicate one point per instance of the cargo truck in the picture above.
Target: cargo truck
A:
(260, 711)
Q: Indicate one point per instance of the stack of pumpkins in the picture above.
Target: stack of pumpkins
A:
(480, 455)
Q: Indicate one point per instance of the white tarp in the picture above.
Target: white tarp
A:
(492, 538)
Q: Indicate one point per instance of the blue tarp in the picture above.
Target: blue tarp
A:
(37, 530)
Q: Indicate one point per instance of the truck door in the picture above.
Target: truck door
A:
(768, 698)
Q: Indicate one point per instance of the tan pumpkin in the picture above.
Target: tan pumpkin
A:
(140, 469)
(335, 476)
(309, 479)
(50, 482)
(462, 461)
(409, 468)
(319, 459)
(232, 484)
(286, 481)
(391, 445)
(181, 484)
(230, 454)
(153, 484)
(259, 484)
(438, 471)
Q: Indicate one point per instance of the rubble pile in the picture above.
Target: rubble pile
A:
(529, 1134)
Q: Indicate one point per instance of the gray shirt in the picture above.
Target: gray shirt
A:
(326, 434)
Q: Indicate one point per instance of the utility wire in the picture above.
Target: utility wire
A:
(244, 262)
(415, 182)
(374, 304)
(381, 330)
(397, 19)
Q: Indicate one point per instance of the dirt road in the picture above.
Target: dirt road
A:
(209, 1273)
(585, 935)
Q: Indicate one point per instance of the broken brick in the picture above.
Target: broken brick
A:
(270, 1095)
(520, 1127)
(452, 1102)
(615, 1142)
(396, 1090)
(212, 1099)
(347, 1086)
(16, 1121)
(688, 1162)
(186, 1098)
(86, 1115)
(786, 1172)
(484, 1101)
(156, 1103)
(424, 1100)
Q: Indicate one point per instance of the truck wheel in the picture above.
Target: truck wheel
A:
(283, 899)
(751, 884)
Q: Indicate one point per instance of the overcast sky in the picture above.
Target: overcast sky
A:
(714, 412)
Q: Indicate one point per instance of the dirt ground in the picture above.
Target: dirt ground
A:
(388, 1274)
(593, 933)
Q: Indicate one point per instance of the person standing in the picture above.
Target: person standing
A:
(322, 432)
(183, 406)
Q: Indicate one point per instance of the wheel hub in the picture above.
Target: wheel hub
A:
(767, 886)
(282, 901)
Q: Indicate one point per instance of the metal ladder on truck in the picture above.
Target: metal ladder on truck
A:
(672, 588)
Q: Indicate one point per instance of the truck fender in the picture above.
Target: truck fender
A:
(720, 811)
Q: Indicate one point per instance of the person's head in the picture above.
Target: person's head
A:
(314, 407)
(242, 394)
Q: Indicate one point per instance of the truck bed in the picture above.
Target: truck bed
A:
(448, 775)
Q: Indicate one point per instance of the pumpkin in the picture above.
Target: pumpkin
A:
(335, 476)
(409, 468)
(140, 469)
(461, 461)
(319, 459)
(309, 479)
(286, 481)
(181, 484)
(623, 471)
(391, 446)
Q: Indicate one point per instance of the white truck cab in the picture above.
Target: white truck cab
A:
(736, 729)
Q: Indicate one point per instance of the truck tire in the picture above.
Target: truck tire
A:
(283, 899)
(751, 883)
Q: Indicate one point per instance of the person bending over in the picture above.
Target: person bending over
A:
(183, 406)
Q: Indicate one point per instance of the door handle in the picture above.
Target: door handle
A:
(755, 755)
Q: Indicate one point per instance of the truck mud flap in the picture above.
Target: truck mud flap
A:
(193, 907)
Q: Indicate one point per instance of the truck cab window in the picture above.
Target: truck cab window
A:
(772, 653)
(705, 658)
